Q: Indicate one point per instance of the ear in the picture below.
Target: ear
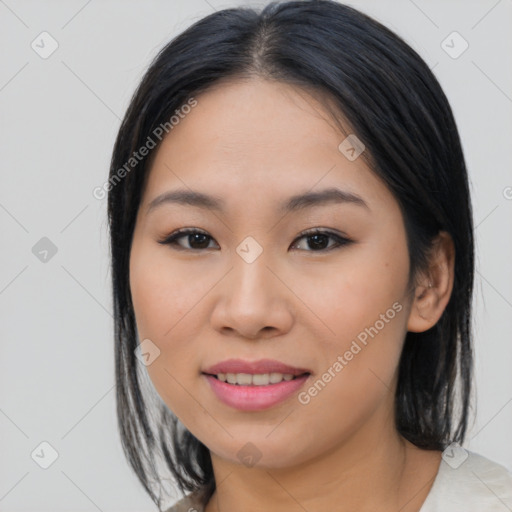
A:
(433, 292)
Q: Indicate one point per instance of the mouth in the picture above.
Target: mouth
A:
(254, 386)
(260, 367)
(257, 379)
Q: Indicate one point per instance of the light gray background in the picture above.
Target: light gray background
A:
(59, 117)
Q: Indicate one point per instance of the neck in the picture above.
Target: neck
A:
(376, 469)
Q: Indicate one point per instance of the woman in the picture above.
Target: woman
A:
(292, 255)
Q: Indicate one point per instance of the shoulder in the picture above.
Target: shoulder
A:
(465, 482)
(190, 503)
(469, 482)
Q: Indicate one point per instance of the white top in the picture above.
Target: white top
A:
(465, 482)
(476, 485)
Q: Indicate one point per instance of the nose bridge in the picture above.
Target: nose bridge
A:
(252, 298)
(251, 278)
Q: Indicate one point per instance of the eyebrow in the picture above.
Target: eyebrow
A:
(294, 203)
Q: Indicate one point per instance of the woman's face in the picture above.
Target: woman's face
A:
(251, 287)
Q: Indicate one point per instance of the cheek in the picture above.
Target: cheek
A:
(363, 304)
(161, 294)
(166, 305)
(360, 287)
(358, 373)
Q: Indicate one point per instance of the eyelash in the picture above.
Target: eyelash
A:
(181, 233)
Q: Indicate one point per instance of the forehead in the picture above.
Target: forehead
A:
(260, 138)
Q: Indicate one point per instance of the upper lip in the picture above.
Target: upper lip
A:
(254, 367)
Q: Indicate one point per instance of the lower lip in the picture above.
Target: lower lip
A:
(255, 398)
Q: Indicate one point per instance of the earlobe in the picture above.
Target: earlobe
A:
(421, 317)
(433, 293)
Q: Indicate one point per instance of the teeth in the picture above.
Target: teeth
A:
(260, 379)
(275, 377)
(244, 379)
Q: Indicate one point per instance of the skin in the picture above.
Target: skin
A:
(254, 143)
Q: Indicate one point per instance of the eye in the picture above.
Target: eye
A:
(197, 239)
(318, 240)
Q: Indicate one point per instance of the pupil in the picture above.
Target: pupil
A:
(199, 237)
(316, 244)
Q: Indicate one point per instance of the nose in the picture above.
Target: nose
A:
(252, 301)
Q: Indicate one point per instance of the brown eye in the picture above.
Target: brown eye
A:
(196, 239)
(318, 240)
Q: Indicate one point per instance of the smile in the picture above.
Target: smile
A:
(254, 386)
(258, 379)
